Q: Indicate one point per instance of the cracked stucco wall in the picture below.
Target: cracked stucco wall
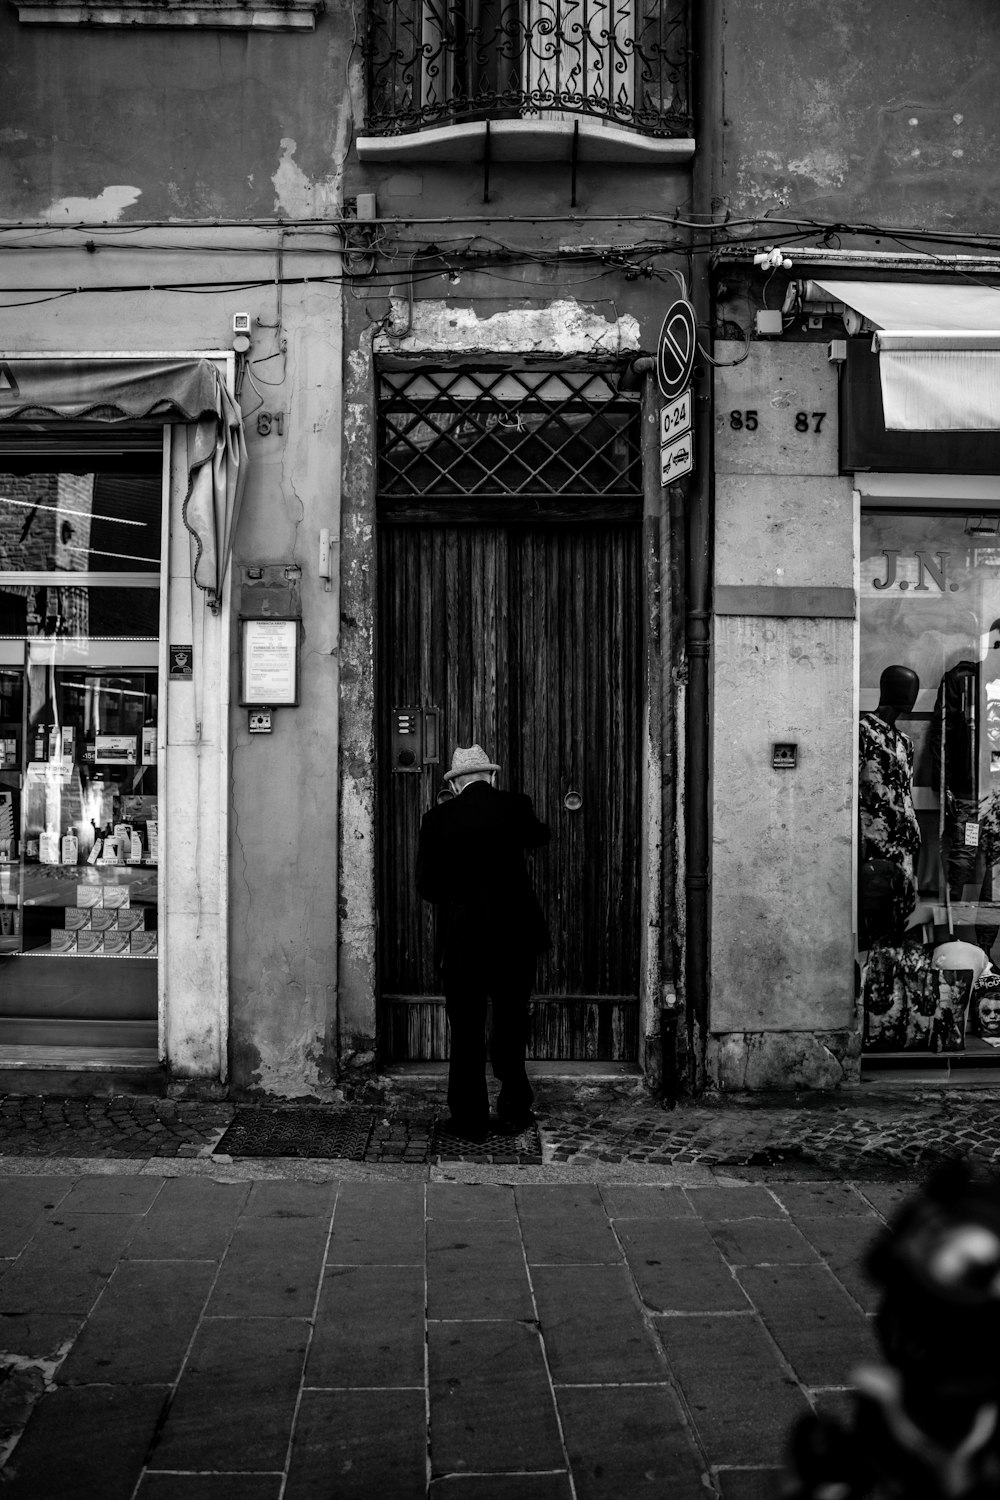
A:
(845, 110)
(283, 837)
(357, 893)
(749, 1060)
(102, 124)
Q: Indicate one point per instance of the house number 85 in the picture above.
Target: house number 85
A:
(805, 421)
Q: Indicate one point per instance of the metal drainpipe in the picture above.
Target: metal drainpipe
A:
(707, 103)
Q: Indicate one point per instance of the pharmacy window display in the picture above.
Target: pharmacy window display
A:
(929, 781)
(79, 701)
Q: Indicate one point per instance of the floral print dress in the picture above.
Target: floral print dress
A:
(889, 827)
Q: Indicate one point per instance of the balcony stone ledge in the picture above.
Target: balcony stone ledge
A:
(545, 139)
(246, 15)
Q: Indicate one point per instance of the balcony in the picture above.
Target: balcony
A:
(523, 80)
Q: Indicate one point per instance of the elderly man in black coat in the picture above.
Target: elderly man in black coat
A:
(470, 864)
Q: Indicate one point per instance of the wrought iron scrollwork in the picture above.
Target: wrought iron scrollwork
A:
(440, 62)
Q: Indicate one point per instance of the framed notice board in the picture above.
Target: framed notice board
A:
(269, 662)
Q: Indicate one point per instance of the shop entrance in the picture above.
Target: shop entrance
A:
(510, 615)
(80, 542)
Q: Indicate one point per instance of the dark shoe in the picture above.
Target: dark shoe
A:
(513, 1124)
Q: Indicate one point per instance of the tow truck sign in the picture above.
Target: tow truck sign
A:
(676, 458)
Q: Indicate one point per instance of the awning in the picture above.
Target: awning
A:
(938, 349)
(189, 393)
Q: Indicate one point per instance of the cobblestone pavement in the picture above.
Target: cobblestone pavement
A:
(864, 1132)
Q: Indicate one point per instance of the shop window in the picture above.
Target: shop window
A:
(929, 779)
(80, 543)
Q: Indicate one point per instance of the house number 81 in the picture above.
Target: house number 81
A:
(268, 421)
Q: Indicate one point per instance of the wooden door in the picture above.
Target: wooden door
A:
(527, 638)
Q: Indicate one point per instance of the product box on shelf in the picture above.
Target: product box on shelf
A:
(102, 917)
(89, 895)
(90, 942)
(116, 942)
(143, 944)
(117, 896)
(77, 918)
(131, 919)
(63, 942)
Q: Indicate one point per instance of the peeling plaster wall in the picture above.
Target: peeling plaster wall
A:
(846, 110)
(565, 327)
(357, 895)
(284, 785)
(111, 123)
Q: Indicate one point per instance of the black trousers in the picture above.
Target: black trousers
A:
(469, 982)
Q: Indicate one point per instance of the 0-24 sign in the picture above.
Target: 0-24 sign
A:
(675, 417)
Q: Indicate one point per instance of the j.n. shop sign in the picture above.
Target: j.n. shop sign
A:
(921, 571)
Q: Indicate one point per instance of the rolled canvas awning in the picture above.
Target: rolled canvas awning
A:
(938, 349)
(187, 392)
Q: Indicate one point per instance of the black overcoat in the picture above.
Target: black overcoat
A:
(470, 863)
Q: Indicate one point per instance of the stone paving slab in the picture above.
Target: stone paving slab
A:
(408, 1363)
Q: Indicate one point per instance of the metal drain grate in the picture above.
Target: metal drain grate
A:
(342, 1134)
(523, 1149)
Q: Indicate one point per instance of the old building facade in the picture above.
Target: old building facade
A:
(350, 316)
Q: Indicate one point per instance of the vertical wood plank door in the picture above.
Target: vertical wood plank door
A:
(528, 639)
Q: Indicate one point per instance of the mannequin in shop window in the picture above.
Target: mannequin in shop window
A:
(890, 832)
(898, 987)
(966, 706)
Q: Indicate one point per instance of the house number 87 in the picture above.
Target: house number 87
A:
(805, 421)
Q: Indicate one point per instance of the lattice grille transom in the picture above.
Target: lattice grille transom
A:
(452, 433)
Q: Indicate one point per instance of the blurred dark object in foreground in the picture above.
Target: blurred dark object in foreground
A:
(926, 1424)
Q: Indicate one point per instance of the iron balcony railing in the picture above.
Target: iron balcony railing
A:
(431, 62)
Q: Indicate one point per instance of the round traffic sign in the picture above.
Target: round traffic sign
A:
(676, 349)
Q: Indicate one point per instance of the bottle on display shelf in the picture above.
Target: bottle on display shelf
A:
(48, 846)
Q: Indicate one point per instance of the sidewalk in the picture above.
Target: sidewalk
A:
(633, 1300)
(211, 1334)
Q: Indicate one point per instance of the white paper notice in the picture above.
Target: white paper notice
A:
(269, 662)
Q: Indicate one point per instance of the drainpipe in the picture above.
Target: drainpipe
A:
(707, 105)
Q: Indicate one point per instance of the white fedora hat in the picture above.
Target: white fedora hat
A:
(465, 761)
